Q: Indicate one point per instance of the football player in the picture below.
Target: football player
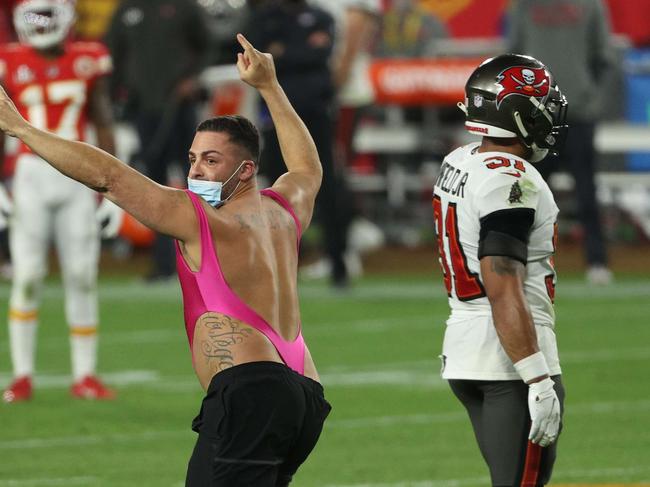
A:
(58, 85)
(495, 219)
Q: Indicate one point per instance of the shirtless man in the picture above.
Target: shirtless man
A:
(237, 263)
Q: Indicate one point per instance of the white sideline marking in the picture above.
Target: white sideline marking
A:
(352, 423)
(562, 474)
(458, 416)
(108, 338)
(422, 374)
(90, 440)
(125, 378)
(402, 420)
(130, 291)
(598, 473)
(420, 322)
(424, 379)
(608, 355)
(47, 481)
(151, 379)
(175, 333)
(425, 483)
(407, 378)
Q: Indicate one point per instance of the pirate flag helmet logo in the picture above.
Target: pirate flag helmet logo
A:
(524, 81)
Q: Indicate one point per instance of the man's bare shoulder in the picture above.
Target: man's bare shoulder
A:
(254, 213)
(300, 193)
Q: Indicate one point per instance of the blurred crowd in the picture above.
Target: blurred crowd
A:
(324, 49)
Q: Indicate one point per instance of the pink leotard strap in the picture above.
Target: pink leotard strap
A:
(281, 200)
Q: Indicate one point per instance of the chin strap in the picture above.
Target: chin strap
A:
(542, 109)
(537, 153)
(520, 126)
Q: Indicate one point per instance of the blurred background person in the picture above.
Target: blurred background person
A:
(300, 37)
(572, 38)
(408, 30)
(58, 86)
(355, 24)
(159, 48)
(6, 35)
(6, 208)
(93, 18)
(225, 19)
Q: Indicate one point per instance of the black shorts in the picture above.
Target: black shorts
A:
(501, 422)
(258, 423)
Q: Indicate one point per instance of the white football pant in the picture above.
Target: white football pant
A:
(50, 206)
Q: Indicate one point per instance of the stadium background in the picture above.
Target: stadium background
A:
(394, 421)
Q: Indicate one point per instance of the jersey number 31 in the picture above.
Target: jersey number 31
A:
(467, 284)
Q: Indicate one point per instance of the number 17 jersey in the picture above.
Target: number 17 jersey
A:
(470, 186)
(52, 93)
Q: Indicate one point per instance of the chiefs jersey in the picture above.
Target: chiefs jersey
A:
(470, 186)
(52, 94)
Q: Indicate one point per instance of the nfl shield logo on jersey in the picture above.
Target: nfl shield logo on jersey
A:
(85, 67)
(24, 75)
(478, 101)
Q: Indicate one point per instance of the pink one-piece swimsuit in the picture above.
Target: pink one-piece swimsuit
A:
(207, 290)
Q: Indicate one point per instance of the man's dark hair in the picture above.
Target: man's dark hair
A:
(241, 131)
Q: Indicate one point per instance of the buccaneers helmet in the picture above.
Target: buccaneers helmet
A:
(516, 96)
(43, 23)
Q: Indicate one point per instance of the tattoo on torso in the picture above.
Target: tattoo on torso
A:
(219, 336)
(274, 220)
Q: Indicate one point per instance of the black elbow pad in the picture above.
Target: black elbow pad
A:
(497, 243)
(505, 233)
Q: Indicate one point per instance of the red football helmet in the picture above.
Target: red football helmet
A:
(43, 23)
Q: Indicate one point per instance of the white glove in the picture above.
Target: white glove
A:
(109, 217)
(544, 408)
(6, 207)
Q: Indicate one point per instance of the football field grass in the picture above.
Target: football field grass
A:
(394, 421)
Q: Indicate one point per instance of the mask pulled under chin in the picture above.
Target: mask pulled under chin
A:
(210, 191)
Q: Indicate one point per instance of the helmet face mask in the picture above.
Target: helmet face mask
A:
(43, 24)
(516, 96)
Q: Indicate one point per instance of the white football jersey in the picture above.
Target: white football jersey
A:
(470, 186)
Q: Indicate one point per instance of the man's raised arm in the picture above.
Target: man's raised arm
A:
(302, 181)
(163, 209)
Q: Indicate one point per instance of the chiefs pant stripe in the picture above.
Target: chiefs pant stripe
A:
(83, 331)
(532, 465)
(18, 315)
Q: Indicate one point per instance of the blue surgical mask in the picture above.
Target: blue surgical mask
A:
(210, 191)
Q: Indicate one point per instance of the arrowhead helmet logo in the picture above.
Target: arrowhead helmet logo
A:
(524, 81)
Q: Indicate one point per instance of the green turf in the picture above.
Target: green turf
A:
(394, 422)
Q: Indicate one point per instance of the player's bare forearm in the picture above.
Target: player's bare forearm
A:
(298, 148)
(503, 280)
(77, 160)
(302, 181)
(165, 210)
